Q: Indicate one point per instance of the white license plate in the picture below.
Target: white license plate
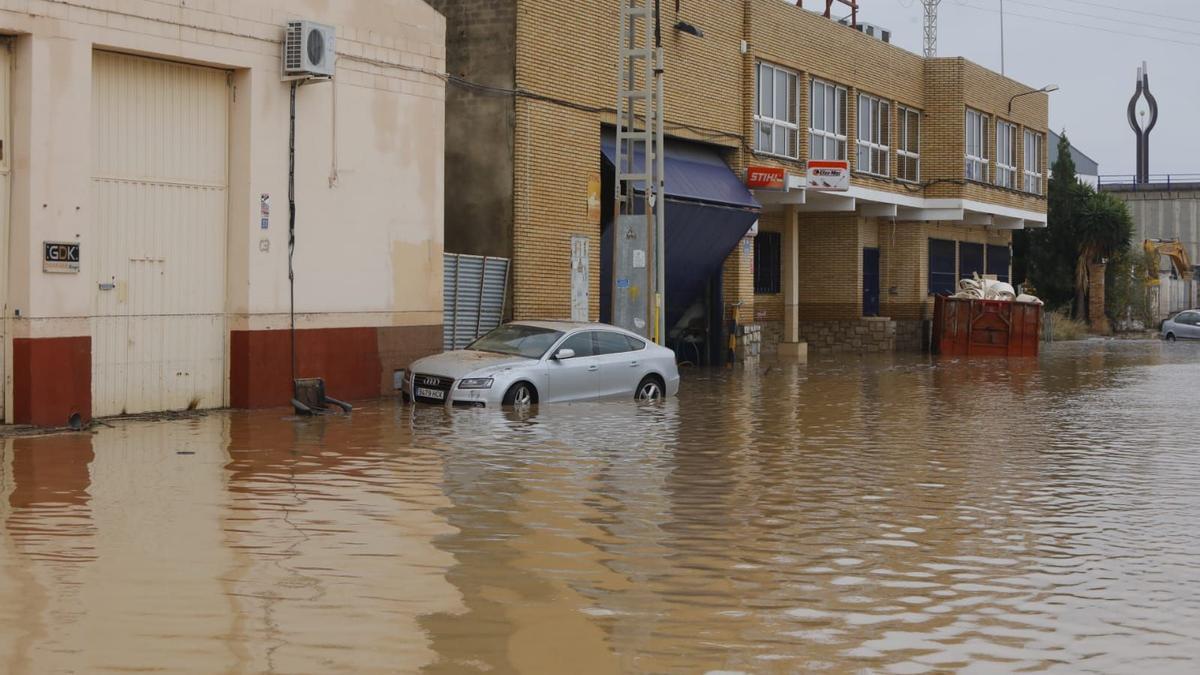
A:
(431, 393)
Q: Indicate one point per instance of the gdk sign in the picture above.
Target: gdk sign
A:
(61, 257)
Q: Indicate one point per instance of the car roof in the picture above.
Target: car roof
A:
(568, 326)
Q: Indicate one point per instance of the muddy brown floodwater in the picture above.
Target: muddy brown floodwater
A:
(893, 514)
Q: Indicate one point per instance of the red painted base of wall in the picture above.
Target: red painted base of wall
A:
(356, 363)
(52, 380)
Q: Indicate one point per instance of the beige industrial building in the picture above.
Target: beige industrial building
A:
(945, 159)
(144, 174)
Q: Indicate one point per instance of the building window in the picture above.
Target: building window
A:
(998, 260)
(874, 135)
(977, 151)
(908, 150)
(777, 112)
(768, 268)
(1006, 154)
(827, 121)
(970, 260)
(942, 276)
(1033, 162)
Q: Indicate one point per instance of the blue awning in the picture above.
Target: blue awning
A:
(694, 172)
(708, 211)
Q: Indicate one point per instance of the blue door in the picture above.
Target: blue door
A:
(870, 282)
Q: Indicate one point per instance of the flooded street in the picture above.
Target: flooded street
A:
(894, 514)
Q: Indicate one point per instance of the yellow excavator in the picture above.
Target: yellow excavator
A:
(1174, 250)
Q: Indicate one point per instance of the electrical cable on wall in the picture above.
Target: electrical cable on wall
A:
(308, 57)
(292, 224)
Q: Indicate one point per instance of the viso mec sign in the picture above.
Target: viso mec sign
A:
(766, 178)
(829, 175)
(61, 257)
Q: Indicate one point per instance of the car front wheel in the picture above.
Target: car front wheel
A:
(520, 395)
(650, 390)
(1170, 337)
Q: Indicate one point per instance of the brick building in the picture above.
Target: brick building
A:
(943, 167)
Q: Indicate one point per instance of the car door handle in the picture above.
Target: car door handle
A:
(592, 369)
(633, 364)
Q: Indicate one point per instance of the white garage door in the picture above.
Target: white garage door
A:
(159, 189)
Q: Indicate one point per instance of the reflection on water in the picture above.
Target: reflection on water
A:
(895, 514)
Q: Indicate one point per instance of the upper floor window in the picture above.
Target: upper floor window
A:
(1006, 154)
(827, 121)
(1033, 162)
(908, 147)
(874, 131)
(977, 150)
(777, 112)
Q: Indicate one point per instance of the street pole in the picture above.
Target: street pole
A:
(1002, 37)
(660, 206)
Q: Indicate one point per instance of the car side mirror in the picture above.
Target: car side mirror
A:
(564, 354)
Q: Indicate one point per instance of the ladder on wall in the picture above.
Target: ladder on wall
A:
(639, 271)
(635, 107)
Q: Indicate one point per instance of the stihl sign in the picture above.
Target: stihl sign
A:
(766, 178)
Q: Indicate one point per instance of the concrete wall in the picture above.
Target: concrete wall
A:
(369, 185)
(1165, 214)
(481, 49)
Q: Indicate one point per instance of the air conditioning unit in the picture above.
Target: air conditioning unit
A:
(308, 50)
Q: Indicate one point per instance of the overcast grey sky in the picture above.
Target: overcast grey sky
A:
(1092, 49)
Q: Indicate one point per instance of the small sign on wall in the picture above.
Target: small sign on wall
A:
(60, 257)
(766, 178)
(580, 264)
(264, 201)
(830, 175)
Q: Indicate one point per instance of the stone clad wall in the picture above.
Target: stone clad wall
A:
(865, 335)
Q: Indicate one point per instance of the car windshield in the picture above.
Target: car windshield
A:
(518, 340)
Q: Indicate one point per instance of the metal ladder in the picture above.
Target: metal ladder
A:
(635, 98)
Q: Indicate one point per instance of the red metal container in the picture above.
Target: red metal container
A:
(964, 327)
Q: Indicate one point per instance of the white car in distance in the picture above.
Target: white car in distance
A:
(531, 362)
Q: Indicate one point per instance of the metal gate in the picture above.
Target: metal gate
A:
(159, 189)
(473, 298)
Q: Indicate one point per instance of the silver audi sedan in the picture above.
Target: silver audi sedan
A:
(531, 362)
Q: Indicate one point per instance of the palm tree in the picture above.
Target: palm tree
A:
(1103, 228)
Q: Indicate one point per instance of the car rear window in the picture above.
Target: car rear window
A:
(611, 343)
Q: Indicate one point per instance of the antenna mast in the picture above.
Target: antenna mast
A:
(931, 11)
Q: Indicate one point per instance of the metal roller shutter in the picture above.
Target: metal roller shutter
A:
(160, 190)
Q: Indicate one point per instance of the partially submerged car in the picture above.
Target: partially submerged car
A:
(531, 362)
(1182, 326)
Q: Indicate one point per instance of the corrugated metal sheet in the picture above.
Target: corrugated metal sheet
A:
(160, 166)
(473, 297)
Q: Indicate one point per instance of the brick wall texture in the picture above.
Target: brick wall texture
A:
(566, 50)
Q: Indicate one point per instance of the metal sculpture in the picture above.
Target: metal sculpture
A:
(1143, 126)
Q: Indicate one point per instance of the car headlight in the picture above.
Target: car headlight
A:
(475, 383)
